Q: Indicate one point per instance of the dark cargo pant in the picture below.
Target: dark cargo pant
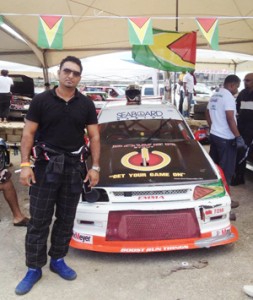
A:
(45, 199)
(223, 153)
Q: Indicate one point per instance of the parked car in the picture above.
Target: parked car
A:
(200, 101)
(159, 190)
(98, 97)
(112, 92)
(22, 93)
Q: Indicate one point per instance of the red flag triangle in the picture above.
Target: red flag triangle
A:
(207, 24)
(184, 46)
(139, 21)
(51, 20)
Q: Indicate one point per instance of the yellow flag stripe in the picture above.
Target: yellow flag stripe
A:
(160, 49)
(51, 33)
(209, 35)
(141, 32)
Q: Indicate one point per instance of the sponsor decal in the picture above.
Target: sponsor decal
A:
(139, 146)
(130, 115)
(145, 160)
(153, 249)
(214, 211)
(83, 238)
(151, 197)
(221, 232)
(145, 175)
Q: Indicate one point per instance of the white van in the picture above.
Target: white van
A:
(148, 90)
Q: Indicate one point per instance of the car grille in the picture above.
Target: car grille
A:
(152, 225)
(141, 193)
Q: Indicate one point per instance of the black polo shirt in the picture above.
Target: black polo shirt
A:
(61, 123)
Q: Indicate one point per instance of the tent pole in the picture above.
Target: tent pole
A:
(175, 74)
(176, 15)
(235, 66)
(45, 67)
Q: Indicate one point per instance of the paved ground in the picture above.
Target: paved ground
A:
(210, 274)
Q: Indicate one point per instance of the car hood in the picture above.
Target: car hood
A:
(154, 163)
(23, 85)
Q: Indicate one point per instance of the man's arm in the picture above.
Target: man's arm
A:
(238, 103)
(185, 88)
(208, 118)
(27, 142)
(232, 123)
(94, 137)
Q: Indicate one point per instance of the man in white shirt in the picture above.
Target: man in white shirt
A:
(224, 135)
(188, 83)
(5, 95)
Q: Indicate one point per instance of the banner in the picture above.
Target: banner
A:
(50, 35)
(140, 31)
(171, 51)
(209, 29)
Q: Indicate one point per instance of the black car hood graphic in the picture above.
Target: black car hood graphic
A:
(154, 164)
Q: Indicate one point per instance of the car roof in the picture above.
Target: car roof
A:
(148, 109)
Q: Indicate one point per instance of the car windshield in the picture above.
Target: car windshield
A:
(144, 131)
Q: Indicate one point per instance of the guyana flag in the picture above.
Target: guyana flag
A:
(50, 34)
(209, 28)
(140, 31)
(171, 51)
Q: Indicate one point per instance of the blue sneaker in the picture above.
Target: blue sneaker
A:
(58, 266)
(26, 284)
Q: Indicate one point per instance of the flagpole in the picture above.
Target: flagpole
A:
(177, 15)
(175, 75)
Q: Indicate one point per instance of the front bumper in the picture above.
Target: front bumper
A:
(96, 243)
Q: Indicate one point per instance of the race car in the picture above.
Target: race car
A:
(159, 190)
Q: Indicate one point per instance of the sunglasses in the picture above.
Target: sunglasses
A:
(69, 71)
(247, 80)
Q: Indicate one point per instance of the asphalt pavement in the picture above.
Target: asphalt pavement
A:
(210, 274)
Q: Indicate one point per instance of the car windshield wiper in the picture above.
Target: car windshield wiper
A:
(157, 131)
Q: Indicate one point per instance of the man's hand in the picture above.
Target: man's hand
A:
(93, 177)
(27, 176)
(240, 142)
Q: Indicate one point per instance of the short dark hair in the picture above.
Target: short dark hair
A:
(4, 72)
(73, 59)
(232, 79)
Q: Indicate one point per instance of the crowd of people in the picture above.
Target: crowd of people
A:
(57, 119)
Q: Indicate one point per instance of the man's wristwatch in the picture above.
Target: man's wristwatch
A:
(96, 168)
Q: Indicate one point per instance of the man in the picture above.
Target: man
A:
(58, 117)
(244, 105)
(180, 91)
(188, 84)
(224, 135)
(10, 195)
(5, 95)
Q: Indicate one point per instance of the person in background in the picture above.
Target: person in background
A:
(244, 105)
(225, 138)
(61, 115)
(47, 86)
(188, 83)
(180, 91)
(5, 95)
(10, 195)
